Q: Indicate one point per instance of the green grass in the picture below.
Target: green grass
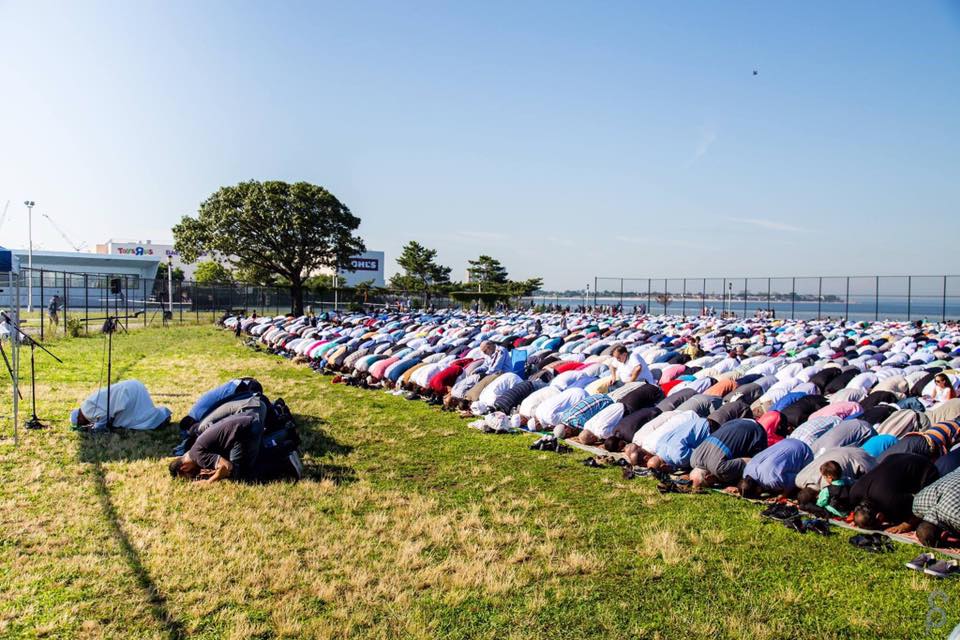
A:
(410, 525)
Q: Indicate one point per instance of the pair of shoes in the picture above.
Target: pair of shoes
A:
(780, 512)
(818, 526)
(921, 562)
(669, 486)
(591, 462)
(546, 443)
(872, 542)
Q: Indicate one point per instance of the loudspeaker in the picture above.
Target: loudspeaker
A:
(115, 286)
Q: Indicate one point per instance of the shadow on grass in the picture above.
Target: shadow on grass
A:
(125, 445)
(173, 629)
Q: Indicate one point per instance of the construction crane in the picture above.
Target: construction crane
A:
(76, 247)
(3, 216)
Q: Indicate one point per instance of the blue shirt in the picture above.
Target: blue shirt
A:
(211, 398)
(879, 443)
(787, 400)
(776, 467)
(676, 447)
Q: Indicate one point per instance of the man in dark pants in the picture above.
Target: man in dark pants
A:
(228, 449)
(885, 493)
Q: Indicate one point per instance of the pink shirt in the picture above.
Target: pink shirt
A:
(842, 410)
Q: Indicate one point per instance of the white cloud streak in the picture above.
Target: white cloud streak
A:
(770, 225)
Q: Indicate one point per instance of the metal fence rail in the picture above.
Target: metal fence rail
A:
(796, 297)
(90, 298)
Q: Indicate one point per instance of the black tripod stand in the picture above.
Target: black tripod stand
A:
(34, 421)
(110, 327)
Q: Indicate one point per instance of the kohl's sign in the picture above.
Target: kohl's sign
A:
(364, 264)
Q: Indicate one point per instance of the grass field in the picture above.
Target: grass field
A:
(410, 526)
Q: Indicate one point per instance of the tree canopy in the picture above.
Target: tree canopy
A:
(422, 273)
(487, 270)
(273, 227)
(209, 271)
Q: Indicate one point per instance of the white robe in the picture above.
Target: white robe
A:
(130, 406)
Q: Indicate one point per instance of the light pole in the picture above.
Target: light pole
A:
(170, 283)
(29, 204)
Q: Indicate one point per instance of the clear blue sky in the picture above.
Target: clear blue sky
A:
(568, 140)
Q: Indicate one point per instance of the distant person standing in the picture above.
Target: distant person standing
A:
(53, 311)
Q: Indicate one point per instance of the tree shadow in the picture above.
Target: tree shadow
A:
(173, 628)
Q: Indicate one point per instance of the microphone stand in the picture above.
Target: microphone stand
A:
(6, 361)
(34, 421)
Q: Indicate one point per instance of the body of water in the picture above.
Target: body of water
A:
(862, 308)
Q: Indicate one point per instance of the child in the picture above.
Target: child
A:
(834, 497)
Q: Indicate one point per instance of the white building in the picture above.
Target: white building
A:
(148, 249)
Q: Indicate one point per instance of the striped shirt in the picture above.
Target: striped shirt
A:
(942, 436)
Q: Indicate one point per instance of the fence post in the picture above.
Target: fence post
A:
(66, 302)
(819, 296)
(180, 297)
(876, 299)
(40, 306)
(745, 293)
(846, 307)
(86, 305)
(943, 304)
(793, 298)
(276, 299)
(703, 297)
(909, 295)
(621, 295)
(594, 292)
(195, 301)
(649, 303)
(683, 300)
(723, 298)
(768, 295)
(145, 302)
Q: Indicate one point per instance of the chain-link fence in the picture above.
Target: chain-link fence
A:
(850, 297)
(62, 302)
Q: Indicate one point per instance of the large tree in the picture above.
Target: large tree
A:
(210, 271)
(421, 271)
(487, 271)
(291, 230)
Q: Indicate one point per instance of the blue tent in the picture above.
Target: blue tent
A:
(6, 260)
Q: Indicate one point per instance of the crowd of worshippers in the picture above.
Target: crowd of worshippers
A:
(231, 432)
(851, 419)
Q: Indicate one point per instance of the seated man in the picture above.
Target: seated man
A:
(937, 508)
(496, 358)
(228, 449)
(627, 367)
(130, 408)
(884, 495)
(775, 468)
(722, 457)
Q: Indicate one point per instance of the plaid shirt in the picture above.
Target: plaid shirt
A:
(577, 415)
(939, 503)
(814, 428)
